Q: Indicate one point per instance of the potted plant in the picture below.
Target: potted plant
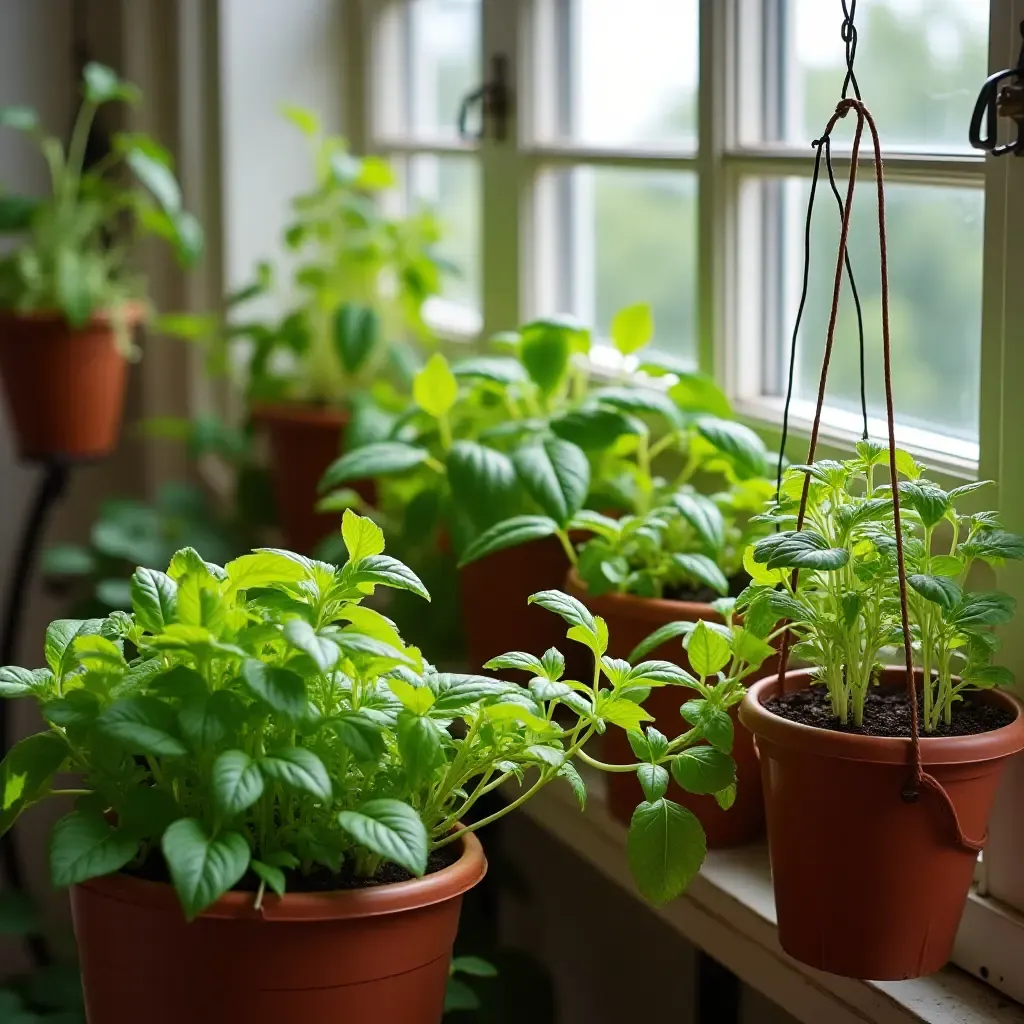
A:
(353, 301)
(69, 296)
(502, 451)
(871, 861)
(271, 785)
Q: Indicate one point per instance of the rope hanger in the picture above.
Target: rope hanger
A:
(919, 778)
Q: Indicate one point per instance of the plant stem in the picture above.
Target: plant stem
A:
(567, 546)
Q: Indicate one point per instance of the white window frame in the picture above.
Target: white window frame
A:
(513, 251)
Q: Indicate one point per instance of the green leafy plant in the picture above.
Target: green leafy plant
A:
(459, 994)
(355, 295)
(845, 608)
(73, 248)
(257, 719)
(507, 448)
(128, 533)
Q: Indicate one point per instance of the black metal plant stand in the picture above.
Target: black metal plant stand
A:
(51, 488)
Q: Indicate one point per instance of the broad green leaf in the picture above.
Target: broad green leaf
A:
(942, 590)
(715, 723)
(435, 389)
(744, 449)
(390, 572)
(158, 178)
(272, 876)
(60, 637)
(751, 648)
(391, 829)
(632, 328)
(359, 734)
(545, 351)
(207, 720)
(282, 689)
(708, 650)
(362, 536)
(419, 744)
(418, 699)
(571, 610)
(98, 654)
(666, 847)
(299, 768)
(758, 572)
(653, 780)
(518, 660)
(662, 635)
(262, 568)
(703, 770)
(542, 689)
(693, 392)
(946, 565)
(806, 549)
(357, 332)
(143, 725)
(985, 676)
(994, 546)
(624, 713)
(305, 120)
(473, 965)
(202, 867)
(595, 429)
(24, 682)
(556, 474)
(498, 369)
(930, 502)
(508, 534)
(701, 569)
(725, 798)
(553, 663)
(188, 560)
(102, 85)
(236, 781)
(26, 771)
(640, 400)
(991, 608)
(323, 650)
(84, 845)
(154, 599)
(21, 119)
(483, 482)
(382, 458)
(703, 515)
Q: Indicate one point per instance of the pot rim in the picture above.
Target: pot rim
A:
(375, 901)
(298, 411)
(135, 313)
(658, 610)
(809, 739)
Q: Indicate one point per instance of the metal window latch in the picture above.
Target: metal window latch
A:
(495, 100)
(1002, 95)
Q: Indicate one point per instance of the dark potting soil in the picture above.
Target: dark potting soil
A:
(706, 595)
(887, 713)
(320, 879)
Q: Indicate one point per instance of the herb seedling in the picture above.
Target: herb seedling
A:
(259, 718)
(845, 609)
(73, 248)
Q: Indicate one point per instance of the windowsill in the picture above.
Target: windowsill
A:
(729, 911)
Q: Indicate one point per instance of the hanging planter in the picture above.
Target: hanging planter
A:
(64, 386)
(69, 297)
(631, 621)
(878, 781)
(379, 953)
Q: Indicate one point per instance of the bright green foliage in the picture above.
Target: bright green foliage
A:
(355, 296)
(72, 249)
(259, 717)
(845, 608)
(510, 447)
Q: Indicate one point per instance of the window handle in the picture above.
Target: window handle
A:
(495, 100)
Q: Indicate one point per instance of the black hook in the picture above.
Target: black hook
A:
(1002, 95)
(496, 100)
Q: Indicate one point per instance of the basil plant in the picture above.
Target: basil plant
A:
(355, 294)
(259, 722)
(72, 249)
(845, 607)
(506, 448)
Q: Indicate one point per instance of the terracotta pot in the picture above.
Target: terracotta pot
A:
(64, 386)
(494, 592)
(630, 620)
(866, 884)
(360, 956)
(304, 441)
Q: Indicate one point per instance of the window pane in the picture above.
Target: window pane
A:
(450, 187)
(920, 64)
(935, 267)
(443, 41)
(619, 237)
(623, 72)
